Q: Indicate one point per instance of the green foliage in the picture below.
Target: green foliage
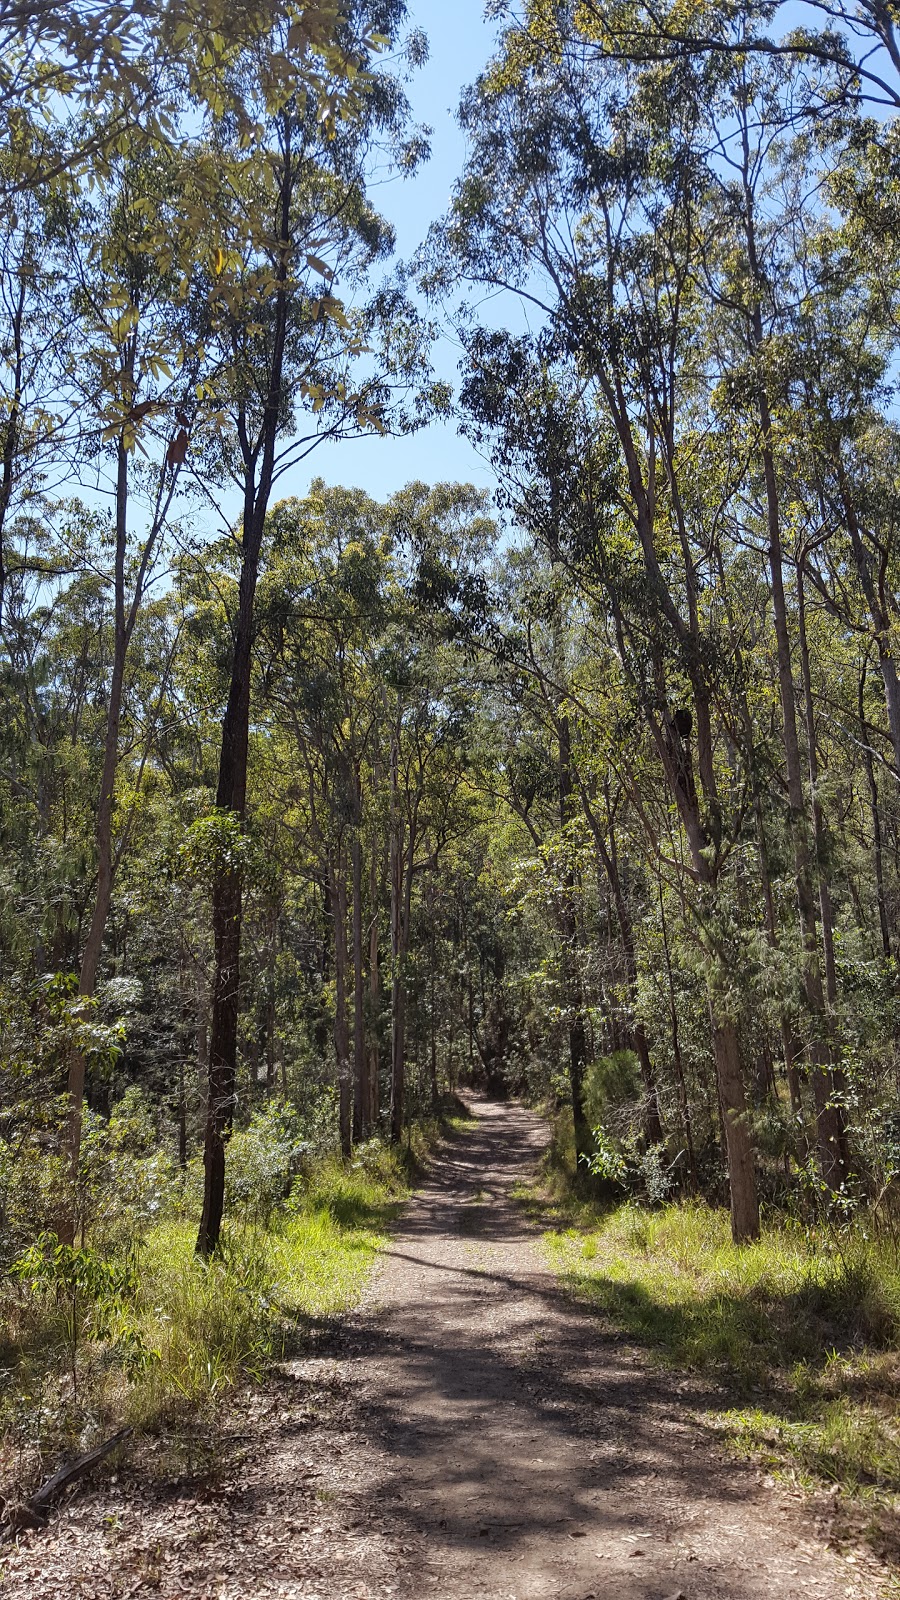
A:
(606, 1160)
(93, 1301)
(611, 1083)
(127, 1177)
(150, 1332)
(264, 1159)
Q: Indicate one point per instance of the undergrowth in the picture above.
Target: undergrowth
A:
(132, 1328)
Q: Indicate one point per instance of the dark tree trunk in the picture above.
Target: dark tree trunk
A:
(338, 900)
(258, 459)
(877, 842)
(227, 906)
(361, 1095)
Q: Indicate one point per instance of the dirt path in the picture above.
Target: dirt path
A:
(470, 1434)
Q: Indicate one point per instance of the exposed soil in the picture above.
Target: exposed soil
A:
(470, 1433)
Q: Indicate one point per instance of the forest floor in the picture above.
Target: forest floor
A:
(470, 1432)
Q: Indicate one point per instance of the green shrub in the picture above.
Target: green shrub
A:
(264, 1159)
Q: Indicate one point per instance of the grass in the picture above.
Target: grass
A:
(190, 1331)
(802, 1329)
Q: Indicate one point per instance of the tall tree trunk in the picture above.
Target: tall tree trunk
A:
(680, 1080)
(826, 910)
(830, 1117)
(374, 1069)
(790, 1049)
(742, 1180)
(403, 844)
(361, 1096)
(227, 906)
(338, 899)
(231, 795)
(432, 1019)
(829, 1121)
(877, 842)
(90, 960)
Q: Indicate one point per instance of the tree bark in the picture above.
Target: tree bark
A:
(338, 899)
(361, 1095)
(231, 794)
(877, 841)
(227, 906)
(742, 1184)
(90, 960)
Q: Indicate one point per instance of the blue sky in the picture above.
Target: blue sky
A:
(460, 43)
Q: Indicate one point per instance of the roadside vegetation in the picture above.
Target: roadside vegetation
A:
(135, 1329)
(794, 1340)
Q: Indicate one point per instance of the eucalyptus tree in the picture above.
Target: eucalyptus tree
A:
(34, 334)
(136, 365)
(571, 202)
(357, 675)
(81, 85)
(847, 53)
(324, 603)
(291, 345)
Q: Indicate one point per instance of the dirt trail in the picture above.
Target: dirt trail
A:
(470, 1434)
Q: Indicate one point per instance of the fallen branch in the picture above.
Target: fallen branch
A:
(32, 1513)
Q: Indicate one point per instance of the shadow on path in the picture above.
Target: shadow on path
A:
(516, 1446)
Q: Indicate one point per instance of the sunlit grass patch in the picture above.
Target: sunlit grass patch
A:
(844, 1442)
(807, 1319)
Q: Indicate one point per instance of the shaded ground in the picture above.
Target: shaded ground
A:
(470, 1434)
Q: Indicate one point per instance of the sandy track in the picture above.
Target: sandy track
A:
(470, 1434)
